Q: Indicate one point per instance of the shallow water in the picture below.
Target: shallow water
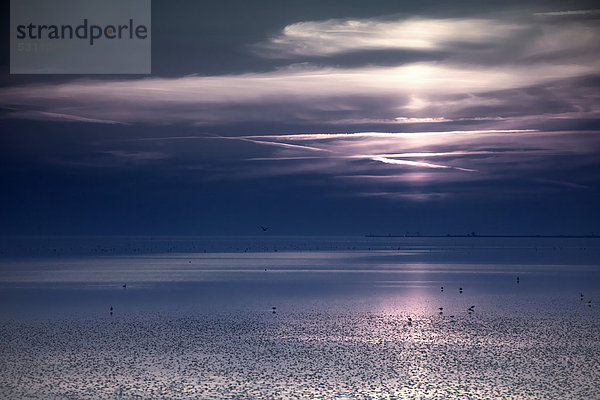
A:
(196, 324)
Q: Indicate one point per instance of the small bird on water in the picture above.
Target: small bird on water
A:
(265, 228)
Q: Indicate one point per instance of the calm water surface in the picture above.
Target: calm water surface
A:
(275, 317)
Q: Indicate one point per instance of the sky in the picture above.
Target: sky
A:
(317, 118)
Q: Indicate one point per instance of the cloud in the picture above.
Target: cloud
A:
(415, 93)
(516, 39)
(286, 145)
(403, 167)
(407, 120)
(335, 36)
(108, 159)
(421, 196)
(501, 101)
(493, 153)
(54, 116)
(569, 13)
(388, 160)
(137, 156)
(486, 71)
(403, 135)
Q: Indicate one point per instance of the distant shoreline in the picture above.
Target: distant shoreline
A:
(490, 236)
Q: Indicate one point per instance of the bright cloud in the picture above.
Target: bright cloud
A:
(346, 35)
(388, 160)
(487, 74)
(292, 95)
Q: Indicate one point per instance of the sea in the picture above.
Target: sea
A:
(273, 317)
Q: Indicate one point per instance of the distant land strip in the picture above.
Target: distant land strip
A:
(490, 236)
